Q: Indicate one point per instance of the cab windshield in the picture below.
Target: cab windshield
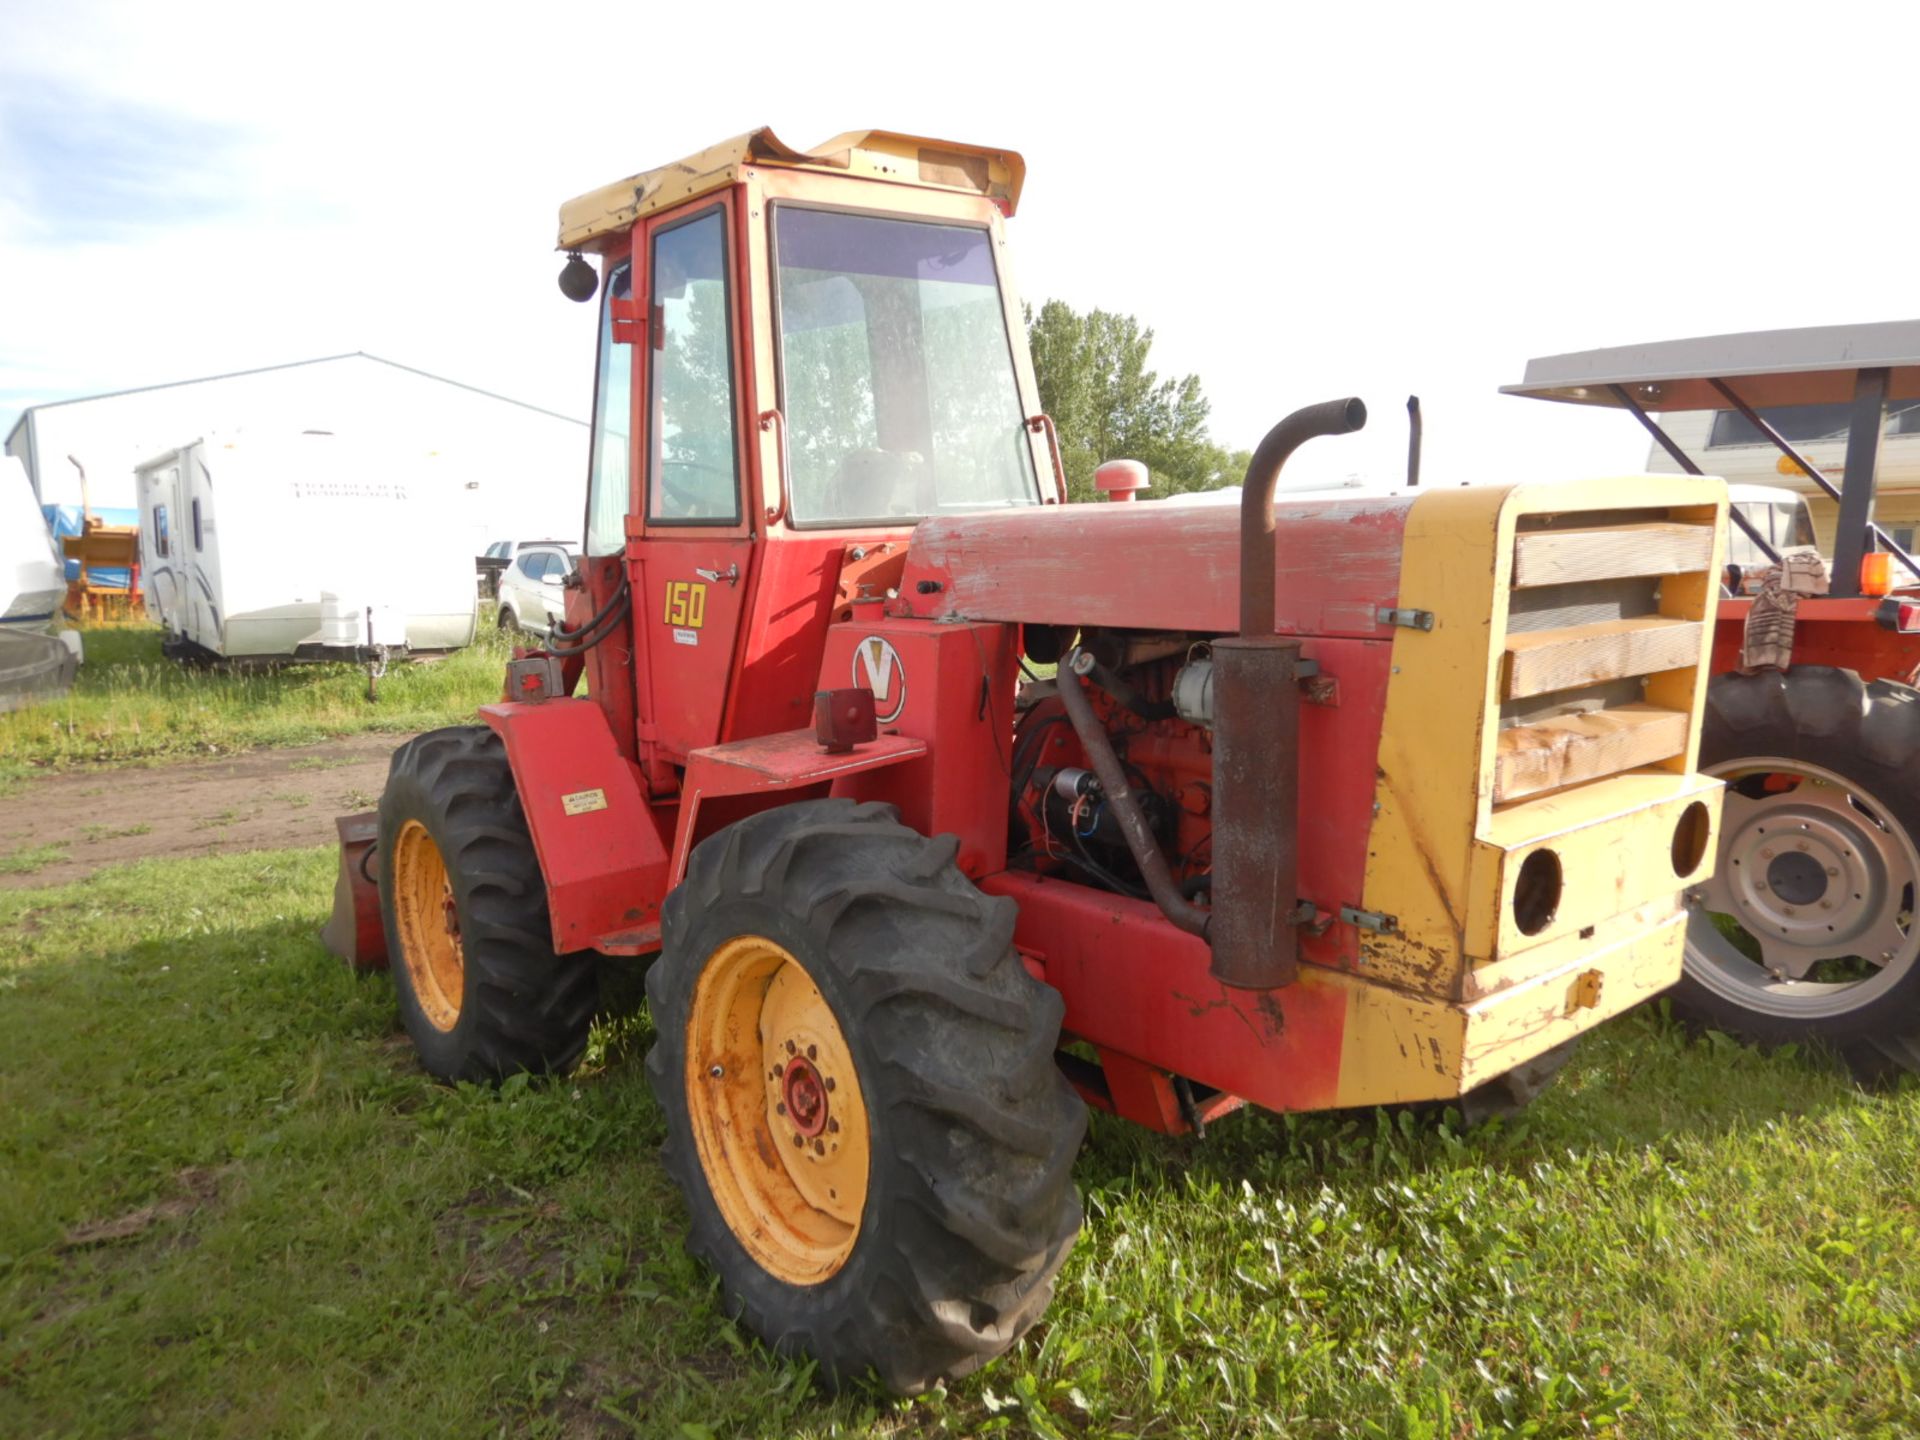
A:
(897, 374)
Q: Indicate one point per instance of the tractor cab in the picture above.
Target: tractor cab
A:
(796, 365)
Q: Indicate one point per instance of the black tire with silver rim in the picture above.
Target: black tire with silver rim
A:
(1805, 933)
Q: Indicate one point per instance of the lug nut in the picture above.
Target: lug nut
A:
(1833, 869)
(800, 1140)
(813, 1052)
(829, 1082)
(718, 1072)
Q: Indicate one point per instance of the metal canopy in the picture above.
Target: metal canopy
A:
(1811, 366)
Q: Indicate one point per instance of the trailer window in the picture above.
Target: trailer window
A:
(695, 479)
(609, 496)
(897, 375)
(197, 545)
(160, 531)
(1803, 423)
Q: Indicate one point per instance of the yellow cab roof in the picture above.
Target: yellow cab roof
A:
(589, 221)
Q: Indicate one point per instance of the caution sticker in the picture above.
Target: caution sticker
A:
(581, 801)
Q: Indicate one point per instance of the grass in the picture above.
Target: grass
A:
(33, 857)
(131, 704)
(230, 1205)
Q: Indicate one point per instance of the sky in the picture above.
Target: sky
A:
(1302, 201)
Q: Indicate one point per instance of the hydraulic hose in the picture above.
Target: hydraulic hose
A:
(1133, 824)
(596, 630)
(566, 635)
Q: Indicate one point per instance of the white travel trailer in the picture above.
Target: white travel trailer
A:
(35, 662)
(303, 547)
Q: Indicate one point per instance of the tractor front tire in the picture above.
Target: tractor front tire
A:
(481, 990)
(863, 1109)
(1805, 934)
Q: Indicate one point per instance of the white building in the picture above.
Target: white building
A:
(516, 471)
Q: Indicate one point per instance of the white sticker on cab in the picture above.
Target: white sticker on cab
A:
(686, 637)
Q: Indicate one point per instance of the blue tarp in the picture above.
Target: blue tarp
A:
(64, 520)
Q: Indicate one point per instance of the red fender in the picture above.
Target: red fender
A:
(598, 839)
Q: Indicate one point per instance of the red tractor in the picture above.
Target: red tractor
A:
(949, 809)
(1805, 933)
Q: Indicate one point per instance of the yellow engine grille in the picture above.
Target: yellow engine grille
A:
(1604, 645)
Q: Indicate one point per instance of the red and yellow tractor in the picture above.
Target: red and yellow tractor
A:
(1805, 933)
(948, 809)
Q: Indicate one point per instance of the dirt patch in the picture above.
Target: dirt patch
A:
(502, 1237)
(196, 1187)
(267, 800)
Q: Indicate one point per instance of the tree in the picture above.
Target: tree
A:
(1107, 405)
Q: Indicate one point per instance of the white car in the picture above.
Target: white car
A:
(533, 596)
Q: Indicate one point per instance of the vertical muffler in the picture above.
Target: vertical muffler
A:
(1253, 929)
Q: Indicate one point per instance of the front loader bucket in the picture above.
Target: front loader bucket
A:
(355, 932)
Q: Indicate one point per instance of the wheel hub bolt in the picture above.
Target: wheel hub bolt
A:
(718, 1072)
(1833, 869)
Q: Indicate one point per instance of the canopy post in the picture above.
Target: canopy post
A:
(1850, 533)
(1685, 462)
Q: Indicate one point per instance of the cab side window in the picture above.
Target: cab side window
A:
(609, 494)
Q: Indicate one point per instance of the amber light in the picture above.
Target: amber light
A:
(1876, 573)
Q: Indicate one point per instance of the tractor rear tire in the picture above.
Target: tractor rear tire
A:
(481, 990)
(1817, 870)
(863, 1109)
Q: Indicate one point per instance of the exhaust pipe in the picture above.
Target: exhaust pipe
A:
(1256, 737)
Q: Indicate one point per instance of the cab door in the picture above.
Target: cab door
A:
(694, 546)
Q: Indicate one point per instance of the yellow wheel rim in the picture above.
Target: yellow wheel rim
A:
(778, 1118)
(429, 925)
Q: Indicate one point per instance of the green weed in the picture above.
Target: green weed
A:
(33, 857)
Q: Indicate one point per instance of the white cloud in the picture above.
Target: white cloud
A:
(1302, 201)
